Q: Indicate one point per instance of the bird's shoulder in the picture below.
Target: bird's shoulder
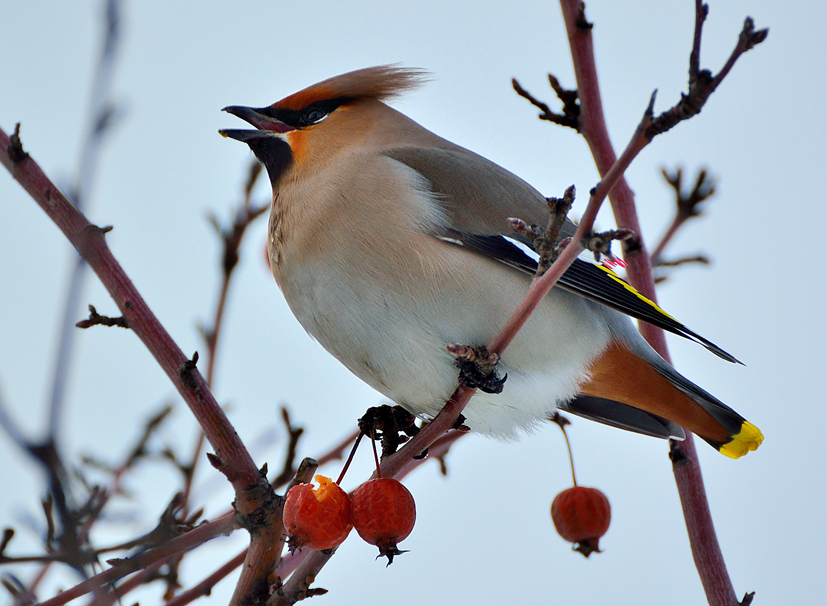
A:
(478, 194)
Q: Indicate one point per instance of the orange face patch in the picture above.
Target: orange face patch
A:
(296, 139)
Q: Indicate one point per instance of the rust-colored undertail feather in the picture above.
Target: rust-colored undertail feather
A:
(621, 376)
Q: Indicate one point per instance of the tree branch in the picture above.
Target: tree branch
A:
(705, 549)
(254, 495)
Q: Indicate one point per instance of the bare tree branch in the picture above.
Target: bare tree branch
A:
(705, 548)
(235, 461)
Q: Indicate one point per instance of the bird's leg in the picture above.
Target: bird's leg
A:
(477, 367)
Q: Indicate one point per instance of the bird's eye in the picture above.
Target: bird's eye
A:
(312, 116)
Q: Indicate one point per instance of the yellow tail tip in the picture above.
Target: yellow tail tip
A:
(746, 440)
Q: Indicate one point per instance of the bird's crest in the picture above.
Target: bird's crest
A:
(381, 82)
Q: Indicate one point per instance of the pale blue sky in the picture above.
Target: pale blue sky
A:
(483, 534)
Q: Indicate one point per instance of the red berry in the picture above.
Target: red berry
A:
(581, 516)
(317, 518)
(383, 513)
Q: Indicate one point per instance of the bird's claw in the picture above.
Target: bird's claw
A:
(477, 367)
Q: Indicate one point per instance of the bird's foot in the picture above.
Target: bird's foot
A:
(477, 367)
(392, 425)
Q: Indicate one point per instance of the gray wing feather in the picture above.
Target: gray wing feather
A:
(478, 195)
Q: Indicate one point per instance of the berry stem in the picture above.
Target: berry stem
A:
(350, 458)
(375, 456)
(571, 458)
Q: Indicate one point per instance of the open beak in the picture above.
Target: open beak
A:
(265, 124)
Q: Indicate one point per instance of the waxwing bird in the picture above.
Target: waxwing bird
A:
(390, 242)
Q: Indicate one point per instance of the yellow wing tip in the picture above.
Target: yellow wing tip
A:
(635, 291)
(745, 441)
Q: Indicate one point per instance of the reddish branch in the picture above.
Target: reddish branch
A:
(255, 502)
(208, 531)
(705, 549)
(29, 595)
(146, 575)
(265, 526)
(88, 239)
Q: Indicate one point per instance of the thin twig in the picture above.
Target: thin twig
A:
(29, 595)
(687, 206)
(694, 259)
(186, 542)
(95, 319)
(701, 81)
(8, 424)
(231, 238)
(294, 434)
(544, 241)
(571, 109)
